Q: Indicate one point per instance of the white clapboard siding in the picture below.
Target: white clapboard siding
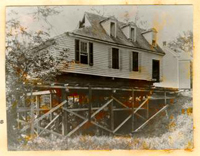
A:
(102, 58)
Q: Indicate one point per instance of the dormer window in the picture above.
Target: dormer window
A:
(132, 34)
(112, 29)
(153, 43)
(151, 36)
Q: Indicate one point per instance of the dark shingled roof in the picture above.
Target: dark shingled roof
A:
(97, 31)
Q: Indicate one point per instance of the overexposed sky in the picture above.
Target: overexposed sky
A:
(169, 20)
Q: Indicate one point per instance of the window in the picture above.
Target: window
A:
(84, 54)
(135, 61)
(112, 29)
(115, 58)
(154, 39)
(132, 34)
(81, 52)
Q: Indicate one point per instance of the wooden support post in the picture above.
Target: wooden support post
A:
(51, 105)
(165, 96)
(147, 115)
(25, 105)
(112, 114)
(132, 119)
(32, 115)
(15, 108)
(64, 115)
(90, 104)
(38, 112)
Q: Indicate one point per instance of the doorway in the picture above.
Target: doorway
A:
(156, 70)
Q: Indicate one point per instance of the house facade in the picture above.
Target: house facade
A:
(176, 69)
(106, 47)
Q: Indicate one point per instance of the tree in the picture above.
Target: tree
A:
(24, 61)
(184, 42)
(137, 19)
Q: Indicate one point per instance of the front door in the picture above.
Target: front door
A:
(156, 70)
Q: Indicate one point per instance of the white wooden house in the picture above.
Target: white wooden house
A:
(176, 69)
(106, 47)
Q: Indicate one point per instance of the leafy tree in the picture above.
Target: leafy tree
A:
(24, 61)
(183, 41)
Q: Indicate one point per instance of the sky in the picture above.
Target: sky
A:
(169, 20)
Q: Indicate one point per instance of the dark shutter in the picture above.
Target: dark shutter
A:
(130, 60)
(120, 59)
(91, 54)
(140, 62)
(135, 61)
(77, 51)
(109, 57)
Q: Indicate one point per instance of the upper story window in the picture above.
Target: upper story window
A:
(132, 34)
(135, 61)
(112, 29)
(83, 54)
(115, 58)
(83, 47)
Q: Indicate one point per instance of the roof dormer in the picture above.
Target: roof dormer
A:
(110, 26)
(84, 22)
(129, 31)
(151, 36)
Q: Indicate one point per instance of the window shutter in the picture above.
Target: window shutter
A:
(109, 57)
(120, 59)
(91, 54)
(130, 61)
(140, 62)
(77, 51)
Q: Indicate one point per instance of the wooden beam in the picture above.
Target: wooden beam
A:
(119, 102)
(147, 108)
(51, 105)
(55, 133)
(94, 123)
(111, 117)
(118, 127)
(106, 88)
(46, 92)
(27, 109)
(48, 124)
(81, 124)
(140, 116)
(64, 115)
(141, 105)
(45, 115)
(151, 118)
(90, 104)
(133, 118)
(37, 112)
(165, 96)
(32, 116)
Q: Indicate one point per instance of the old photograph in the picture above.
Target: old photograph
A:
(101, 77)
